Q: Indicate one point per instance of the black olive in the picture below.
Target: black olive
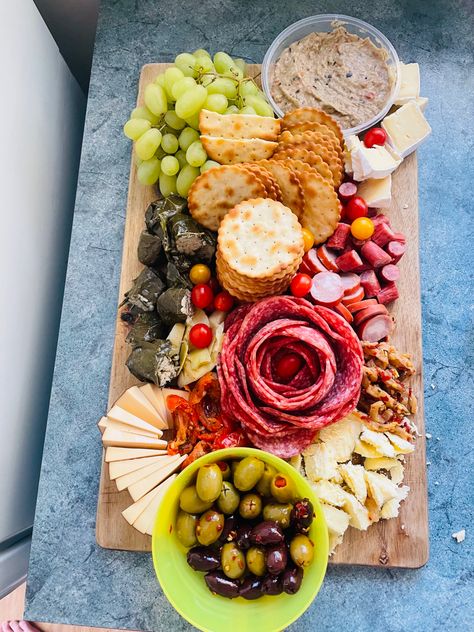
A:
(251, 588)
(221, 585)
(203, 558)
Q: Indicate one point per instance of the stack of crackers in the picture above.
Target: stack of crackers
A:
(259, 249)
(300, 163)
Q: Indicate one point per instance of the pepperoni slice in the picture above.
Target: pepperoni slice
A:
(327, 289)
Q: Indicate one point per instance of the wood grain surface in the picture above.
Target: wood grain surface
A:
(401, 542)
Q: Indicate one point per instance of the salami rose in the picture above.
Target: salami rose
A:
(283, 415)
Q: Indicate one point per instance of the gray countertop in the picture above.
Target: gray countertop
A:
(71, 579)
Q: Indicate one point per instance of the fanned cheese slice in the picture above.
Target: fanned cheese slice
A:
(358, 514)
(380, 488)
(337, 520)
(105, 422)
(113, 454)
(146, 520)
(329, 493)
(142, 487)
(129, 440)
(153, 394)
(121, 468)
(119, 414)
(135, 402)
(400, 445)
(341, 437)
(129, 479)
(132, 513)
(379, 441)
(353, 476)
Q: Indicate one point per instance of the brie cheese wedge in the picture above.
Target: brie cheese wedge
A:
(410, 83)
(406, 128)
(376, 193)
(376, 162)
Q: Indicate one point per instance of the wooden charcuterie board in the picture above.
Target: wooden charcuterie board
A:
(400, 542)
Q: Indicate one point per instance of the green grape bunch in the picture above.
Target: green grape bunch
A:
(165, 130)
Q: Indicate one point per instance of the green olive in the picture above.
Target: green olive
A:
(233, 467)
(225, 470)
(302, 550)
(282, 488)
(250, 506)
(209, 527)
(190, 502)
(229, 498)
(247, 473)
(263, 485)
(186, 528)
(279, 513)
(256, 561)
(209, 482)
(232, 561)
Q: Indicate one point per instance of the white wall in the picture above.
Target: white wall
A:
(72, 24)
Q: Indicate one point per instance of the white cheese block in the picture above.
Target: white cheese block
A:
(129, 440)
(376, 193)
(113, 454)
(406, 128)
(146, 520)
(352, 144)
(119, 414)
(120, 468)
(131, 478)
(139, 489)
(105, 422)
(376, 162)
(421, 102)
(135, 402)
(132, 513)
(410, 83)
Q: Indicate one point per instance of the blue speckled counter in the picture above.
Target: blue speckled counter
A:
(71, 579)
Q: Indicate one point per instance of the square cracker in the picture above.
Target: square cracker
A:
(238, 125)
(229, 151)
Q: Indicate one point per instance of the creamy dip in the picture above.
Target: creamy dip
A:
(338, 72)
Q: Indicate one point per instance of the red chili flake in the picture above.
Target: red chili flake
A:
(219, 527)
(241, 564)
(280, 482)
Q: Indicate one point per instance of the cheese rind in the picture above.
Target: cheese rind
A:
(409, 84)
(376, 193)
(406, 128)
(135, 402)
(113, 454)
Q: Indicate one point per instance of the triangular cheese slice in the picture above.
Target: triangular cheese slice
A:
(146, 520)
(105, 422)
(132, 512)
(113, 454)
(121, 468)
(125, 481)
(139, 489)
(129, 440)
(119, 414)
(153, 393)
(135, 402)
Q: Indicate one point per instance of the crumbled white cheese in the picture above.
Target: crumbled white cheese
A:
(459, 536)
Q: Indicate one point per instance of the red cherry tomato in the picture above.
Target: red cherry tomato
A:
(200, 336)
(375, 136)
(356, 207)
(202, 296)
(300, 284)
(288, 366)
(223, 302)
(213, 283)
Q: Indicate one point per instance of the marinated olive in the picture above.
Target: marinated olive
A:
(250, 506)
(276, 558)
(272, 585)
(203, 558)
(302, 515)
(263, 485)
(233, 467)
(221, 585)
(186, 528)
(232, 561)
(229, 498)
(229, 532)
(267, 532)
(251, 588)
(247, 473)
(190, 502)
(209, 482)
(282, 488)
(209, 527)
(292, 578)
(225, 469)
(301, 550)
(279, 513)
(243, 537)
(255, 559)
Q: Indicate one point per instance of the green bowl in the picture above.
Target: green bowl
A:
(186, 589)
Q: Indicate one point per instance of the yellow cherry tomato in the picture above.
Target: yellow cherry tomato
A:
(199, 273)
(308, 239)
(362, 228)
